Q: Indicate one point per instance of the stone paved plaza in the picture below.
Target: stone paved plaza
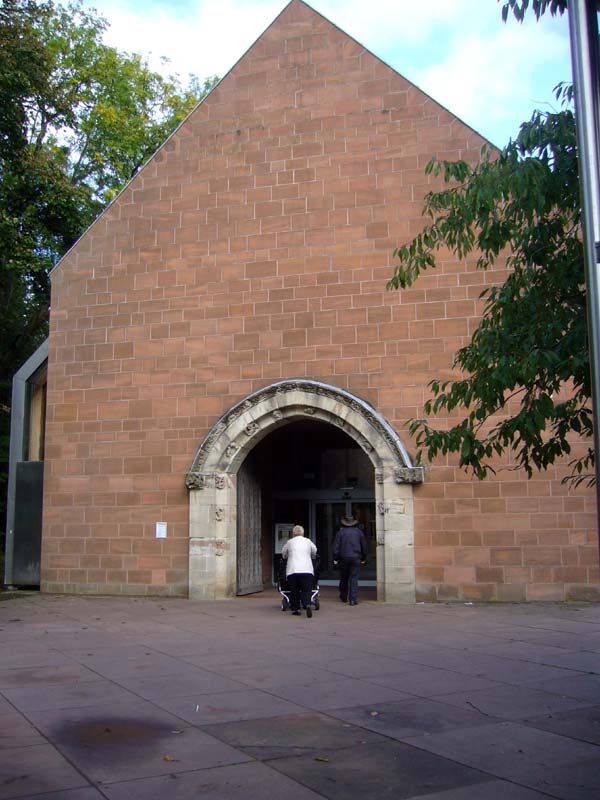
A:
(140, 699)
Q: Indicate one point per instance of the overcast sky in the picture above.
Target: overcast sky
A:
(490, 74)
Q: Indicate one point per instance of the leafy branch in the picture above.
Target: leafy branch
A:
(525, 382)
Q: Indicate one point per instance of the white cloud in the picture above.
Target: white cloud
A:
(490, 74)
(205, 40)
(486, 84)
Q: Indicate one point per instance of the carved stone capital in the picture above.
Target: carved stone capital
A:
(409, 474)
(195, 480)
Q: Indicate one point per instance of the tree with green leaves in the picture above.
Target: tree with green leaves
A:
(539, 7)
(524, 382)
(77, 120)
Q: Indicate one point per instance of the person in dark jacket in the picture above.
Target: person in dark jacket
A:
(349, 550)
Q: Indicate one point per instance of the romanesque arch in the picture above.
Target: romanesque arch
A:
(212, 481)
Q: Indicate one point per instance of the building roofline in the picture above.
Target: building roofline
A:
(229, 71)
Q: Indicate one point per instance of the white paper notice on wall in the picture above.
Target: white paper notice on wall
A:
(161, 530)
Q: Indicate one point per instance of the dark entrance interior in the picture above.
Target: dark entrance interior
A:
(305, 473)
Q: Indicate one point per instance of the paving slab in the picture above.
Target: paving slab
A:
(67, 695)
(131, 741)
(30, 770)
(5, 706)
(582, 724)
(494, 667)
(526, 651)
(492, 790)
(174, 643)
(134, 661)
(592, 642)
(388, 771)
(410, 718)
(180, 683)
(90, 639)
(317, 650)
(430, 681)
(513, 702)
(521, 754)
(228, 706)
(44, 676)
(72, 794)
(241, 782)
(292, 735)
(278, 672)
(367, 665)
(337, 693)
(17, 658)
(580, 661)
(584, 687)
(571, 642)
(16, 731)
(579, 780)
(229, 660)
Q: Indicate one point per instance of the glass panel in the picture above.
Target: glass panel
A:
(365, 514)
(327, 520)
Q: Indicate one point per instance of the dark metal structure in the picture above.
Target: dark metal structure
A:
(26, 473)
(583, 26)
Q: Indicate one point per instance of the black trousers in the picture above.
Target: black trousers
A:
(300, 584)
(349, 570)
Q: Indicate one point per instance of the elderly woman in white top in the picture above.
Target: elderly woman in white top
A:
(298, 553)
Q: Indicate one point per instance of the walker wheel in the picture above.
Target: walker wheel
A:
(317, 604)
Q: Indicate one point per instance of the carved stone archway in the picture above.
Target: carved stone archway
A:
(212, 481)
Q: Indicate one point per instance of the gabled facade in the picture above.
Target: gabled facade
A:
(225, 360)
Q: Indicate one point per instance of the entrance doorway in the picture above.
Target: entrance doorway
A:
(313, 443)
(310, 474)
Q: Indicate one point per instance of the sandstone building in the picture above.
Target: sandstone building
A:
(225, 361)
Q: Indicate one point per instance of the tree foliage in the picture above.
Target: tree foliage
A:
(519, 8)
(525, 384)
(106, 110)
(77, 120)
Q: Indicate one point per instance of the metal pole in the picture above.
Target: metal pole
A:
(583, 27)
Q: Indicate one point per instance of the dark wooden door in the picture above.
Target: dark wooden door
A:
(28, 523)
(249, 565)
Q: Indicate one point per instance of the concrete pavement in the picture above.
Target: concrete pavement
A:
(129, 699)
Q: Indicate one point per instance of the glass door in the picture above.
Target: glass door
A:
(365, 514)
(328, 520)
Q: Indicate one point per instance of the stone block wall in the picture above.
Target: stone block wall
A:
(256, 246)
